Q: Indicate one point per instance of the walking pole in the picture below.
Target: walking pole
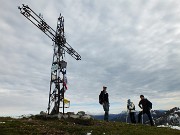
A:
(142, 116)
(127, 116)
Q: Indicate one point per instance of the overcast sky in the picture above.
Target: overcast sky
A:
(132, 47)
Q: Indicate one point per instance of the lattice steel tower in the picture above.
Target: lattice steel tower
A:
(58, 69)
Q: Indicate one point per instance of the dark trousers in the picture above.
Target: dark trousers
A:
(132, 117)
(148, 114)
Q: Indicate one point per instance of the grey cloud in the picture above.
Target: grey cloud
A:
(131, 47)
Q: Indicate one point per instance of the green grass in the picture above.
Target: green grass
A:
(44, 126)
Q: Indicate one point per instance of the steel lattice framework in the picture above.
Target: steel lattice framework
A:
(58, 68)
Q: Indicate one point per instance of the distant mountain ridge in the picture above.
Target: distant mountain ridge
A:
(160, 117)
(171, 117)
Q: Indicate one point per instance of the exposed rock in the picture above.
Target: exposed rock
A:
(75, 116)
(86, 116)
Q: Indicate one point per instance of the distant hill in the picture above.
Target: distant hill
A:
(160, 117)
(171, 117)
(121, 117)
(101, 117)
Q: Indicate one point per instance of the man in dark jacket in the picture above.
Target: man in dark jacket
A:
(104, 101)
(143, 104)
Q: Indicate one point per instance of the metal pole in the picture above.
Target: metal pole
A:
(63, 92)
(127, 116)
(142, 116)
(49, 99)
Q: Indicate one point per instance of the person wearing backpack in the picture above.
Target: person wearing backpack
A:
(146, 106)
(104, 101)
(131, 110)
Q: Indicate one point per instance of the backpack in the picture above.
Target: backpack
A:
(149, 104)
(101, 98)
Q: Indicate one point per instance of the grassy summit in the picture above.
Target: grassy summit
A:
(52, 126)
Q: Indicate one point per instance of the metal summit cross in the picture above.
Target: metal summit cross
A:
(58, 68)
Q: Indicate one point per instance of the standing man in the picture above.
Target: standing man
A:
(104, 101)
(146, 106)
(131, 110)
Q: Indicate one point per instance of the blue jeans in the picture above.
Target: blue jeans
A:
(106, 109)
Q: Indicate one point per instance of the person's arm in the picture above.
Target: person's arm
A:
(134, 107)
(140, 104)
(128, 107)
(107, 97)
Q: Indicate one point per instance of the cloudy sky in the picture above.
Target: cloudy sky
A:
(132, 47)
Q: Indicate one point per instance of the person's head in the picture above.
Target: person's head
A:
(142, 96)
(128, 101)
(104, 88)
